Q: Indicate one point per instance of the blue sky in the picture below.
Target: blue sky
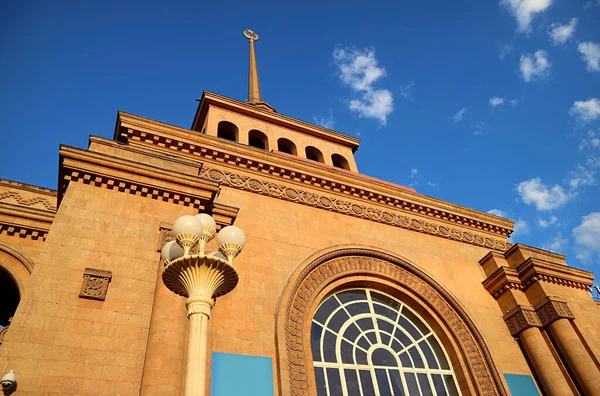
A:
(491, 105)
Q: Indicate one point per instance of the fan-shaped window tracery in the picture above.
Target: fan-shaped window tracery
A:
(366, 343)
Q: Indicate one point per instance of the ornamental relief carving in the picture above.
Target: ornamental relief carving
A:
(554, 310)
(28, 202)
(525, 318)
(521, 320)
(335, 204)
(95, 284)
(320, 272)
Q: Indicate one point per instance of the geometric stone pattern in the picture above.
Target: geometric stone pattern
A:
(335, 204)
(95, 284)
(28, 202)
(521, 320)
(525, 318)
(554, 310)
(23, 231)
(323, 270)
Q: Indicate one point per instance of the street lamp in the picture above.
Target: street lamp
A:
(201, 278)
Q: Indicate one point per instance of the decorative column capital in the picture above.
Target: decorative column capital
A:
(553, 308)
(195, 306)
(522, 318)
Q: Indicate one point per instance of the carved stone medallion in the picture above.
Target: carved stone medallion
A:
(95, 284)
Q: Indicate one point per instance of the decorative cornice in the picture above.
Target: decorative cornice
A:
(27, 187)
(24, 221)
(334, 204)
(537, 270)
(530, 249)
(503, 279)
(101, 170)
(168, 139)
(522, 319)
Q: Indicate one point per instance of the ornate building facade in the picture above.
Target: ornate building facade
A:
(348, 285)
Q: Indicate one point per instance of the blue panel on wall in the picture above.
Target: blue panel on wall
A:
(521, 385)
(241, 375)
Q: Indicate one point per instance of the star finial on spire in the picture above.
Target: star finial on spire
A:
(253, 83)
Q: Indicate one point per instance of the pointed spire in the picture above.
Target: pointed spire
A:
(253, 83)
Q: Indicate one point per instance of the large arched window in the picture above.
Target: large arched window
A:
(365, 342)
(227, 130)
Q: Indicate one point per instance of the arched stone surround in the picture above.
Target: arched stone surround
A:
(348, 266)
(18, 265)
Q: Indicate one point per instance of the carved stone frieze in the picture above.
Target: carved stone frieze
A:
(176, 143)
(95, 284)
(335, 204)
(27, 202)
(554, 310)
(522, 319)
(330, 266)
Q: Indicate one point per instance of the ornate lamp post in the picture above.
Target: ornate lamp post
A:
(201, 278)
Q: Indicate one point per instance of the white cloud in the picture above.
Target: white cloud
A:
(590, 54)
(413, 173)
(460, 114)
(585, 111)
(326, 122)
(525, 10)
(556, 244)
(559, 34)
(534, 66)
(581, 176)
(478, 128)
(497, 212)
(591, 4)
(505, 50)
(521, 228)
(496, 101)
(534, 192)
(587, 237)
(591, 140)
(514, 102)
(406, 90)
(359, 70)
(547, 223)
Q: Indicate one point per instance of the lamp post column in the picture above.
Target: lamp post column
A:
(198, 315)
(201, 278)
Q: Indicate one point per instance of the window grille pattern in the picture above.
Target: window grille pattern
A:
(367, 343)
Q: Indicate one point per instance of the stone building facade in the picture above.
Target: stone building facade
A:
(349, 285)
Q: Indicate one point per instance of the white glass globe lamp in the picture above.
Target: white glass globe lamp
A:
(231, 240)
(171, 251)
(187, 231)
(209, 230)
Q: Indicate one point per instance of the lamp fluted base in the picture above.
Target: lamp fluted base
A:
(199, 276)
